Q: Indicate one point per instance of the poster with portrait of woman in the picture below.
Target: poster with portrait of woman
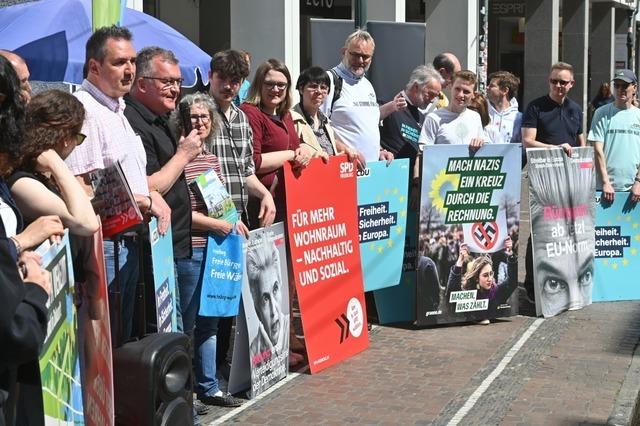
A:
(262, 329)
(562, 203)
(466, 263)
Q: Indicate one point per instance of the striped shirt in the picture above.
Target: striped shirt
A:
(196, 167)
(110, 138)
(232, 143)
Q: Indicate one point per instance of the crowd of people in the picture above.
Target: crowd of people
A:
(129, 110)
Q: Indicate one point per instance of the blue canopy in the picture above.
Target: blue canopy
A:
(51, 36)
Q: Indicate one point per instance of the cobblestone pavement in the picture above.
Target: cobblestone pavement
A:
(568, 372)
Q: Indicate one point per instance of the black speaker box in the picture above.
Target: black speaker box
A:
(152, 381)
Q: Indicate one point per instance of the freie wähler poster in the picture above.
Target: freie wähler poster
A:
(471, 198)
(562, 203)
(617, 264)
(322, 231)
(164, 277)
(59, 358)
(94, 335)
(382, 218)
(261, 346)
(398, 303)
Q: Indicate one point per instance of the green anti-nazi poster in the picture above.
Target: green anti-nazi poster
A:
(468, 200)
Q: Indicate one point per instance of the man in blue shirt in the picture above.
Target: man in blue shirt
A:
(554, 120)
(615, 136)
(550, 121)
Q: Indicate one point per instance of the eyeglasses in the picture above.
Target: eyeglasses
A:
(80, 137)
(315, 87)
(279, 84)
(166, 81)
(487, 274)
(361, 56)
(555, 82)
(204, 118)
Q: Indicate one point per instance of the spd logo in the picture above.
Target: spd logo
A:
(346, 169)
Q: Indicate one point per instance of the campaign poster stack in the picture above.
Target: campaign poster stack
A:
(94, 335)
(562, 203)
(59, 359)
(617, 264)
(382, 219)
(261, 347)
(322, 230)
(472, 198)
(164, 277)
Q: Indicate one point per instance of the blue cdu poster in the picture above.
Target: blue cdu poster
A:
(382, 219)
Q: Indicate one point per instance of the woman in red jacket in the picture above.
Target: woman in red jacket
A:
(275, 140)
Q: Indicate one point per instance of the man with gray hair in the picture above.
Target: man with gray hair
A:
(352, 104)
(400, 131)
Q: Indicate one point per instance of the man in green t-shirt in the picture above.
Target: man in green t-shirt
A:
(615, 136)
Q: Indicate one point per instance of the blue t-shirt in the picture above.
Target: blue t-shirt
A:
(619, 132)
(555, 123)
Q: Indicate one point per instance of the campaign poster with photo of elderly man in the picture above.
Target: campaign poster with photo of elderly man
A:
(468, 232)
(261, 348)
(562, 203)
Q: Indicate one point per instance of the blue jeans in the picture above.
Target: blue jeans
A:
(204, 329)
(129, 269)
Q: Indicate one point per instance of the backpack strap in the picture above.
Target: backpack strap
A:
(337, 91)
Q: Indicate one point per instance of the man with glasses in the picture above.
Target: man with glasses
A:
(615, 136)
(400, 131)
(355, 115)
(110, 69)
(554, 120)
(551, 121)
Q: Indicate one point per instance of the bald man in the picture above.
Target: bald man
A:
(447, 64)
(22, 70)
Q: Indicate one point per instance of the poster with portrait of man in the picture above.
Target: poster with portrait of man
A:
(472, 200)
(562, 203)
(261, 348)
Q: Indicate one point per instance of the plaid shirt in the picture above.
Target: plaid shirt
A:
(232, 143)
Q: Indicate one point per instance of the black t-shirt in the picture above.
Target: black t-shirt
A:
(555, 123)
(400, 132)
(160, 147)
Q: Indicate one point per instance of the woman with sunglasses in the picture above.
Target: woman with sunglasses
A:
(275, 140)
(480, 276)
(43, 184)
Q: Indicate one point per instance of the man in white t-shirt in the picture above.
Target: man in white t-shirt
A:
(355, 114)
(455, 124)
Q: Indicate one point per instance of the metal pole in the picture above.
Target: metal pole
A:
(483, 44)
(360, 14)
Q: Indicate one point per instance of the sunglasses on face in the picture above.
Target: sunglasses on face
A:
(562, 83)
(80, 137)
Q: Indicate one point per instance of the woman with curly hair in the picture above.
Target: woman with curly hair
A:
(24, 285)
(43, 184)
(481, 277)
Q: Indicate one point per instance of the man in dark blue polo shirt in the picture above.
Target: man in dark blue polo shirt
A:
(551, 121)
(554, 120)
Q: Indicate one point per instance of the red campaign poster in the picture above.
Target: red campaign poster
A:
(322, 229)
(94, 334)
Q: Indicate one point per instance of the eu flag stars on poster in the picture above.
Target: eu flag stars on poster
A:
(382, 217)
